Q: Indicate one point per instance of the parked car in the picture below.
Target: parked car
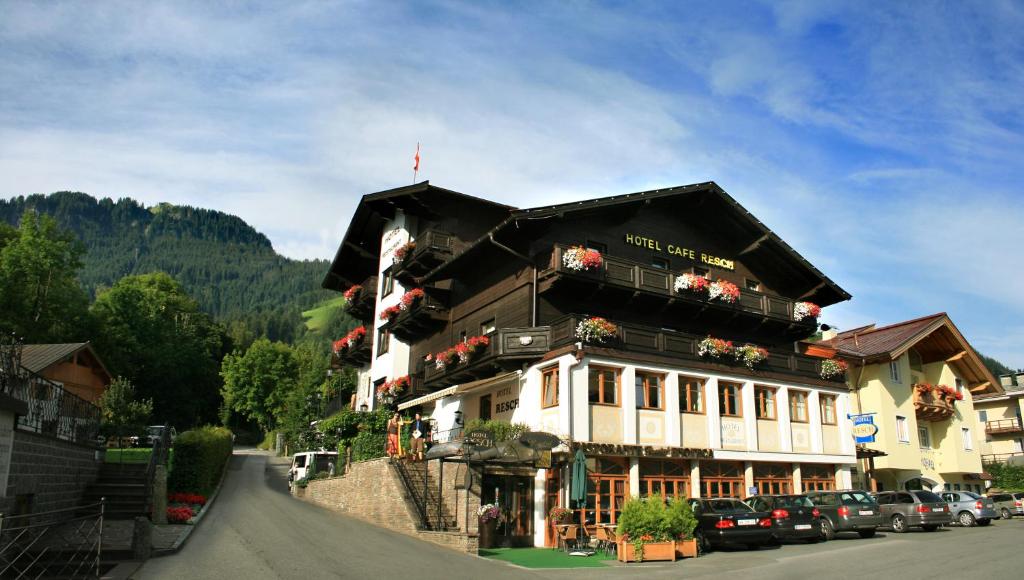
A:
(968, 508)
(794, 516)
(730, 521)
(151, 435)
(851, 510)
(903, 510)
(1008, 504)
(307, 463)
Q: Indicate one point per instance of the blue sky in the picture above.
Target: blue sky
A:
(884, 142)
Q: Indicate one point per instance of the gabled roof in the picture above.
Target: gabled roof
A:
(826, 291)
(935, 337)
(39, 357)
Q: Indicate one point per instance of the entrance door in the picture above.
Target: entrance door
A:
(513, 494)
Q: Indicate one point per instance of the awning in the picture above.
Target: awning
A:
(983, 476)
(863, 452)
(478, 385)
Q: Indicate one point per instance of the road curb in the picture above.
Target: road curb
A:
(198, 518)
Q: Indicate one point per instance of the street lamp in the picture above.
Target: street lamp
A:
(458, 418)
(364, 407)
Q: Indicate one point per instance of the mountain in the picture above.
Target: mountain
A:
(230, 268)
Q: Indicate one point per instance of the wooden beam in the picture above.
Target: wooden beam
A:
(812, 290)
(980, 387)
(361, 251)
(957, 356)
(757, 244)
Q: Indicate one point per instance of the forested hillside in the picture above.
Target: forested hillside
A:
(227, 266)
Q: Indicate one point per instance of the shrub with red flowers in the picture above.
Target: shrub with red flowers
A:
(352, 293)
(580, 259)
(714, 347)
(187, 499)
(410, 298)
(805, 310)
(461, 353)
(750, 355)
(389, 391)
(832, 368)
(692, 283)
(404, 251)
(596, 329)
(350, 340)
(179, 515)
(389, 313)
(724, 291)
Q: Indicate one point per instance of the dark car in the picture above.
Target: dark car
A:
(852, 510)
(794, 516)
(723, 521)
(913, 509)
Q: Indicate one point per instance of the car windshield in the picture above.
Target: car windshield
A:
(963, 495)
(729, 506)
(855, 498)
(793, 501)
(929, 497)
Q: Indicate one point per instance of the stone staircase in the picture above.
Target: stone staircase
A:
(125, 487)
(421, 486)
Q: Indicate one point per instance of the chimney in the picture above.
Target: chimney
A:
(829, 334)
(1020, 379)
(1006, 380)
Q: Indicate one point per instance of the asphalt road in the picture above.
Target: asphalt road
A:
(255, 530)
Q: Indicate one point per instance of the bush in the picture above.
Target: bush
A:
(502, 430)
(649, 519)
(1005, 476)
(199, 459)
(269, 440)
(368, 445)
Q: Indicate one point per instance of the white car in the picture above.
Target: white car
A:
(307, 463)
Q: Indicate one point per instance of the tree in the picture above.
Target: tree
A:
(257, 382)
(41, 299)
(121, 412)
(155, 335)
(994, 366)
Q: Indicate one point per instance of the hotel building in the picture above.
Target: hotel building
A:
(999, 416)
(642, 393)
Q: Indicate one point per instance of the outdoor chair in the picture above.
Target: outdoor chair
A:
(612, 543)
(568, 537)
(602, 538)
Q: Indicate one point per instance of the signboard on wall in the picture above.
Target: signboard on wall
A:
(864, 428)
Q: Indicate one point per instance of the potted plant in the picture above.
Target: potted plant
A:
(723, 291)
(596, 330)
(488, 515)
(580, 259)
(650, 529)
(833, 368)
(750, 355)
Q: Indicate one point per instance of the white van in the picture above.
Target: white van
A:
(307, 463)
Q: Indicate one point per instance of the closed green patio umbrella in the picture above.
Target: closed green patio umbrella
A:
(578, 486)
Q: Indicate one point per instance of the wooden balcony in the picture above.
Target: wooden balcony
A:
(432, 248)
(508, 348)
(357, 356)
(362, 307)
(930, 406)
(782, 363)
(426, 316)
(1003, 426)
(631, 280)
(1015, 458)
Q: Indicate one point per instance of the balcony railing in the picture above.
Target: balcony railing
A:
(432, 248)
(425, 316)
(507, 347)
(356, 356)
(362, 306)
(634, 276)
(53, 411)
(1003, 426)
(683, 346)
(1003, 458)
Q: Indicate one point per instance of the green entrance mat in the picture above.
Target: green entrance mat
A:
(546, 558)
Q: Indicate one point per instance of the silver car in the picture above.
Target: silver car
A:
(968, 508)
(1008, 504)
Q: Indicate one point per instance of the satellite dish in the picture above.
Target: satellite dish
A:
(539, 440)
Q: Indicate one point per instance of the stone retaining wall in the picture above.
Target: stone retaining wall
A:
(54, 472)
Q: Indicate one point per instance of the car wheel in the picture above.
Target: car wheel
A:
(984, 522)
(867, 533)
(1006, 514)
(827, 531)
(930, 527)
(966, 519)
(899, 524)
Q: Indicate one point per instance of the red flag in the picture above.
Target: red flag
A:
(416, 167)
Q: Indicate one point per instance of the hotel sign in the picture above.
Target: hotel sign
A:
(681, 251)
(864, 428)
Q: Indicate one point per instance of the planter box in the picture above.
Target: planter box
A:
(686, 548)
(653, 552)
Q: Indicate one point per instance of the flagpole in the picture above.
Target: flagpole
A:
(416, 167)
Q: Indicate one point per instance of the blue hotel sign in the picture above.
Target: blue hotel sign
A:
(864, 428)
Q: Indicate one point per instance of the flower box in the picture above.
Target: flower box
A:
(723, 291)
(580, 259)
(403, 252)
(596, 330)
(833, 368)
(686, 548)
(805, 310)
(652, 552)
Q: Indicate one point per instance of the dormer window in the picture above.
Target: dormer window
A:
(753, 285)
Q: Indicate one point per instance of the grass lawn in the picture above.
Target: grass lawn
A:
(133, 455)
(545, 558)
(317, 316)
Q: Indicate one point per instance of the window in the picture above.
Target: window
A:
(701, 271)
(924, 437)
(965, 433)
(772, 479)
(485, 407)
(721, 479)
(916, 363)
(488, 327)
(665, 477)
(894, 371)
(549, 387)
(387, 283)
(828, 409)
(607, 489)
(764, 397)
(729, 400)
(983, 416)
(592, 245)
(959, 385)
(691, 395)
(753, 285)
(815, 477)
(1018, 445)
(798, 406)
(383, 341)
(603, 384)
(462, 336)
(648, 390)
(902, 431)
(660, 263)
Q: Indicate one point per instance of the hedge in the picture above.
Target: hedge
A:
(199, 459)
(368, 445)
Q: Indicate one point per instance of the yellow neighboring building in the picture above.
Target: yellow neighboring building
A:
(919, 378)
(1000, 416)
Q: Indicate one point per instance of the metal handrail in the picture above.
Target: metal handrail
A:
(419, 501)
